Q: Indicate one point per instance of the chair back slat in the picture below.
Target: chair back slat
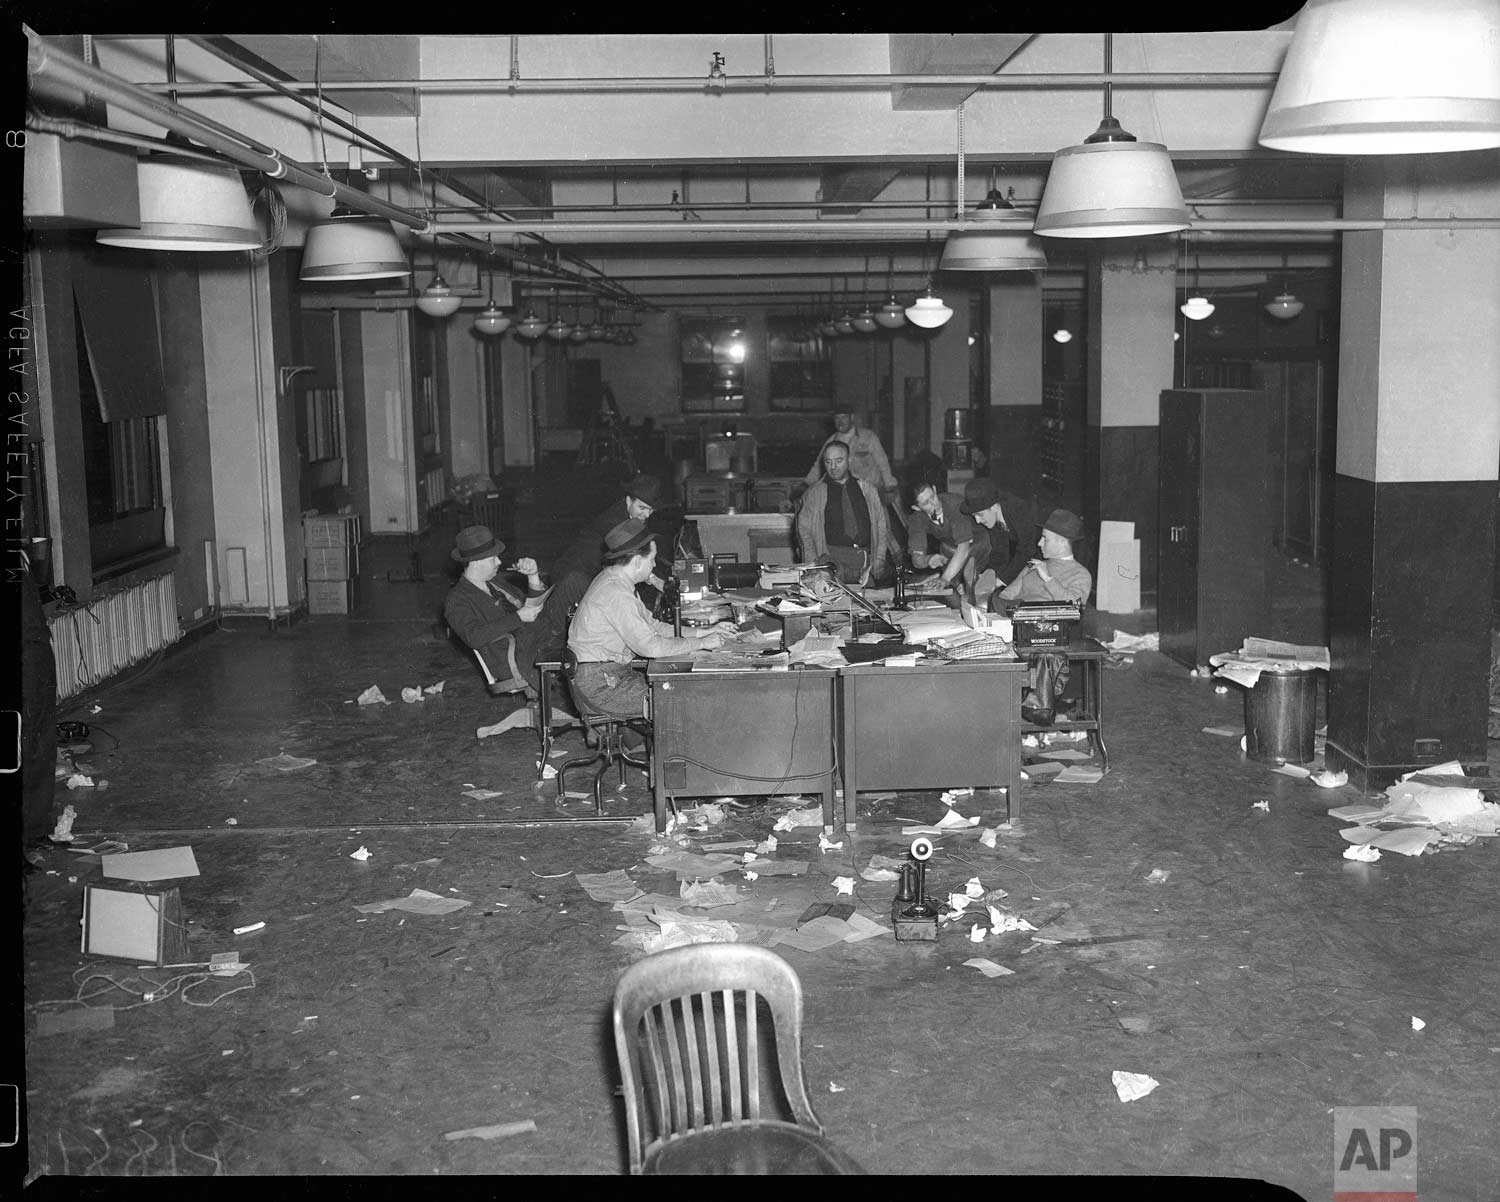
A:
(694, 1064)
(713, 1057)
(673, 1081)
(658, 1073)
(752, 1058)
(733, 1058)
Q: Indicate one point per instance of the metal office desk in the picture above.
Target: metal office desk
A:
(933, 726)
(757, 731)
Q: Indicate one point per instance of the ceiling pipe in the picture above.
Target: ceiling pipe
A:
(79, 132)
(44, 63)
(684, 231)
(212, 46)
(1071, 81)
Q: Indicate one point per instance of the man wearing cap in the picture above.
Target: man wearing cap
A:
(842, 519)
(1012, 524)
(963, 546)
(507, 628)
(867, 458)
(580, 563)
(613, 627)
(1057, 576)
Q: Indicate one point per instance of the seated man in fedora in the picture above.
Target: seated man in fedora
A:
(506, 627)
(1057, 576)
(613, 627)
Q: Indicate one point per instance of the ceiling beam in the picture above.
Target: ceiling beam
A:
(947, 54)
(843, 191)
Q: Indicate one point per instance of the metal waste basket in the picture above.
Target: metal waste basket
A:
(1280, 713)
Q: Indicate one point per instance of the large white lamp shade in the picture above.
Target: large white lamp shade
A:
(928, 311)
(989, 246)
(187, 204)
(1196, 308)
(1111, 186)
(1389, 77)
(349, 245)
(492, 319)
(438, 299)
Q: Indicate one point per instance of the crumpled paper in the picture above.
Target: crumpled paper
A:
(372, 696)
(63, 831)
(807, 816)
(361, 853)
(1362, 852)
(844, 885)
(827, 844)
(409, 694)
(79, 781)
(766, 846)
(988, 967)
(1000, 923)
(1134, 642)
(434, 688)
(1325, 779)
(1131, 1086)
(878, 874)
(987, 836)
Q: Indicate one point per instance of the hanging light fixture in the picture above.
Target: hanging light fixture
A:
(1196, 308)
(187, 202)
(580, 330)
(348, 244)
(928, 310)
(531, 326)
(992, 248)
(1062, 334)
(864, 320)
(1111, 186)
(492, 319)
(1388, 77)
(557, 329)
(438, 299)
(1285, 306)
(892, 315)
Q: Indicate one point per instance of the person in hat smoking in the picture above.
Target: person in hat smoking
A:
(963, 546)
(842, 519)
(1012, 523)
(1057, 576)
(483, 610)
(613, 626)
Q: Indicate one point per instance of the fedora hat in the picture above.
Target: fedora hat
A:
(1065, 523)
(645, 488)
(475, 542)
(626, 539)
(979, 495)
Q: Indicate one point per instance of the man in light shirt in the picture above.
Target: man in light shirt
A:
(867, 458)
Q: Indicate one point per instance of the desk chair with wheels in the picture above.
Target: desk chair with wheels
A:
(608, 735)
(697, 1061)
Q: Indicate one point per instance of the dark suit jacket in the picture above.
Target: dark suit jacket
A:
(1015, 546)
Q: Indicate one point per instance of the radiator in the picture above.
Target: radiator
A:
(131, 625)
(436, 487)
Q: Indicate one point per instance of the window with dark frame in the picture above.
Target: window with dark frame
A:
(714, 354)
(801, 367)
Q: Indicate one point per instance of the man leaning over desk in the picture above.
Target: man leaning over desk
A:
(963, 546)
(842, 519)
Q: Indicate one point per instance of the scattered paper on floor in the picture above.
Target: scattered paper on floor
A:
(1416, 1023)
(62, 832)
(1325, 779)
(434, 688)
(410, 694)
(498, 1131)
(79, 781)
(878, 874)
(1158, 876)
(988, 967)
(372, 696)
(827, 844)
(808, 816)
(613, 886)
(705, 895)
(1264, 804)
(1131, 1086)
(1075, 774)
(1000, 923)
(1296, 770)
(954, 820)
(1134, 642)
(483, 794)
(780, 867)
(162, 864)
(286, 763)
(685, 863)
(360, 853)
(1362, 852)
(1229, 732)
(418, 901)
(844, 885)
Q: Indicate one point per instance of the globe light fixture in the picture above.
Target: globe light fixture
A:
(892, 316)
(531, 326)
(438, 299)
(928, 311)
(1196, 308)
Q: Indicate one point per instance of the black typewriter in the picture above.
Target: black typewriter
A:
(1043, 624)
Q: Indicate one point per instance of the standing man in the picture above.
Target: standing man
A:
(1012, 523)
(963, 547)
(580, 563)
(843, 519)
(1057, 576)
(867, 458)
(613, 626)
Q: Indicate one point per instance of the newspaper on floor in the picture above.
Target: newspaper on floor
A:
(1260, 655)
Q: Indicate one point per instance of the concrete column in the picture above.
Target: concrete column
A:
(1131, 302)
(1014, 330)
(1411, 577)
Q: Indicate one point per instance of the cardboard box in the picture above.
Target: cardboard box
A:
(328, 596)
(326, 531)
(328, 563)
(142, 924)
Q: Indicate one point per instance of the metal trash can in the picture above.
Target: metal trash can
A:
(1280, 713)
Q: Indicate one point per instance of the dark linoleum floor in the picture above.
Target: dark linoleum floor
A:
(1263, 982)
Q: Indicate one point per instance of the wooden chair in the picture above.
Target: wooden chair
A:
(607, 733)
(696, 1065)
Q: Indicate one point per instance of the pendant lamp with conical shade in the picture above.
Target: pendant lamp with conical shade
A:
(988, 246)
(187, 203)
(1389, 77)
(350, 245)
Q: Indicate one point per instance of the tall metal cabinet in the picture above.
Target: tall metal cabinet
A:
(1214, 521)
